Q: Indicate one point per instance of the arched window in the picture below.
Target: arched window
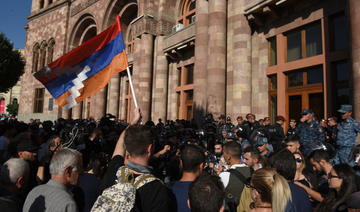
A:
(187, 13)
(130, 42)
(15, 101)
(36, 53)
(41, 4)
(42, 54)
(50, 50)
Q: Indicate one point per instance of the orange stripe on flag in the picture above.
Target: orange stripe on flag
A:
(99, 80)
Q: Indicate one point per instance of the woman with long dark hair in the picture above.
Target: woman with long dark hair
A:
(342, 182)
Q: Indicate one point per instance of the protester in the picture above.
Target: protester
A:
(252, 158)
(269, 190)
(342, 183)
(154, 151)
(320, 161)
(14, 176)
(232, 182)
(206, 194)
(9, 132)
(192, 164)
(65, 169)
(264, 147)
(300, 170)
(137, 143)
(284, 163)
(292, 143)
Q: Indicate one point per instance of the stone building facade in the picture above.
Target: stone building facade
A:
(192, 57)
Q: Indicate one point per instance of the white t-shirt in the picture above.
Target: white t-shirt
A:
(225, 176)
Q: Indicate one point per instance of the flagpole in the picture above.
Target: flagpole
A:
(131, 87)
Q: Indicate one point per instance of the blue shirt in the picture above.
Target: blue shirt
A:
(310, 132)
(181, 189)
(347, 132)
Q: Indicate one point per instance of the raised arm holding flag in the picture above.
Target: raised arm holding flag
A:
(86, 69)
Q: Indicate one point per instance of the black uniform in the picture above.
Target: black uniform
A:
(276, 136)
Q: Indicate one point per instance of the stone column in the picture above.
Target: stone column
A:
(113, 96)
(46, 3)
(172, 95)
(217, 57)
(142, 74)
(201, 55)
(98, 104)
(65, 114)
(259, 87)
(239, 60)
(160, 81)
(354, 17)
(76, 111)
(35, 5)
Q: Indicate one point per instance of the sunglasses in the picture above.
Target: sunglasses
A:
(332, 176)
(299, 160)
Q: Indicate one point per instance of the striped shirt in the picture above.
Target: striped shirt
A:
(52, 196)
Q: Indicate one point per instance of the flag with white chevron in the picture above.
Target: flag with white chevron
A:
(86, 69)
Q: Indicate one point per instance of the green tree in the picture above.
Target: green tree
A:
(12, 109)
(11, 64)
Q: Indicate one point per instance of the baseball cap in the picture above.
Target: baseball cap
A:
(280, 118)
(306, 111)
(261, 141)
(345, 108)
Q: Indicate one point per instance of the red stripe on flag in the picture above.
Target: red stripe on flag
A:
(86, 49)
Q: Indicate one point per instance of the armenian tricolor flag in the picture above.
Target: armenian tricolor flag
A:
(86, 69)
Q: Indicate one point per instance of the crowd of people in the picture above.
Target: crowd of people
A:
(108, 165)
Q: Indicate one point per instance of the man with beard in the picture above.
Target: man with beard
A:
(320, 161)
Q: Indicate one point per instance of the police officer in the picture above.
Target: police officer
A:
(229, 126)
(346, 135)
(309, 132)
(292, 128)
(276, 133)
(332, 130)
(221, 125)
(250, 124)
